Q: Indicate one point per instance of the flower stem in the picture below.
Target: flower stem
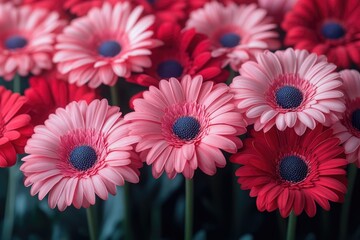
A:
(291, 228)
(114, 95)
(92, 223)
(189, 207)
(345, 210)
(127, 209)
(10, 205)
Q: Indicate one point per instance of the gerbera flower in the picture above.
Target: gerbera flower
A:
(239, 32)
(46, 95)
(289, 88)
(326, 27)
(185, 125)
(81, 151)
(163, 10)
(290, 172)
(184, 52)
(277, 9)
(106, 44)
(27, 39)
(348, 129)
(15, 128)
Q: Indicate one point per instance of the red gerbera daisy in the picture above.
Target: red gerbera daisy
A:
(46, 95)
(291, 172)
(164, 10)
(15, 128)
(183, 53)
(331, 28)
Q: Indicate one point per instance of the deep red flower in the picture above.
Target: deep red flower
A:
(183, 53)
(164, 10)
(15, 128)
(46, 95)
(331, 28)
(291, 172)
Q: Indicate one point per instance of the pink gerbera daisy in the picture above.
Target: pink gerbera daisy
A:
(46, 95)
(183, 53)
(290, 172)
(105, 44)
(15, 128)
(348, 129)
(185, 125)
(331, 28)
(289, 89)
(81, 151)
(27, 40)
(237, 31)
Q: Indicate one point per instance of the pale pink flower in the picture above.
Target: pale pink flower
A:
(348, 129)
(185, 125)
(237, 31)
(107, 43)
(27, 39)
(80, 152)
(289, 89)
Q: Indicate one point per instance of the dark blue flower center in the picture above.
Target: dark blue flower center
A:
(355, 119)
(83, 157)
(288, 97)
(186, 128)
(293, 169)
(169, 68)
(109, 48)
(15, 42)
(230, 40)
(151, 1)
(332, 30)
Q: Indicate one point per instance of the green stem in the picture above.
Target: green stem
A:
(291, 229)
(189, 208)
(10, 205)
(127, 220)
(345, 210)
(114, 95)
(17, 84)
(92, 223)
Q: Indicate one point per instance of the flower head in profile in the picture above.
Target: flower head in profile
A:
(289, 89)
(292, 173)
(15, 127)
(107, 43)
(330, 28)
(237, 31)
(184, 52)
(27, 39)
(82, 151)
(348, 128)
(46, 95)
(185, 125)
